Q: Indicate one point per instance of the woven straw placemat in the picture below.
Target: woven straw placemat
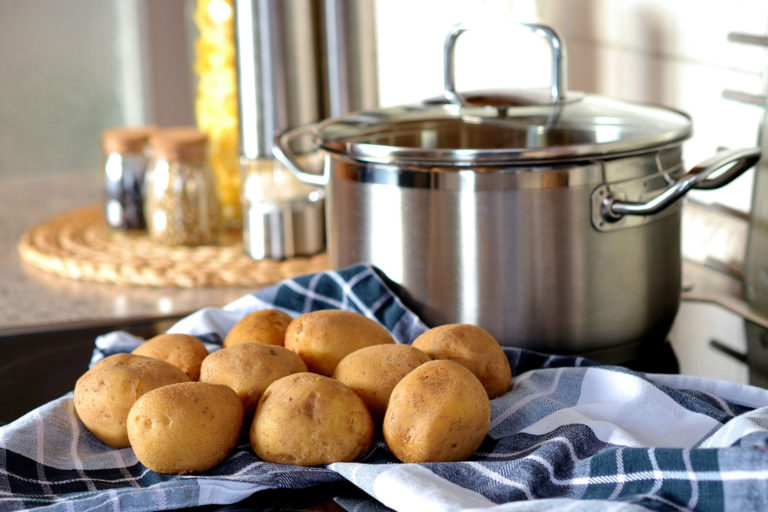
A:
(80, 245)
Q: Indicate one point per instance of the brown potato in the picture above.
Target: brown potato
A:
(473, 347)
(248, 368)
(439, 412)
(105, 393)
(185, 428)
(322, 338)
(372, 373)
(181, 350)
(263, 326)
(308, 419)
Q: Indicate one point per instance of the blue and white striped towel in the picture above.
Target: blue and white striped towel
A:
(570, 434)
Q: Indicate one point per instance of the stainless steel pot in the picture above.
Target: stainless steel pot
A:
(554, 223)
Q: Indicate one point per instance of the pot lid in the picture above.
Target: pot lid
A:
(503, 129)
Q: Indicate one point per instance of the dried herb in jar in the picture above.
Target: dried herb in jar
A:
(180, 197)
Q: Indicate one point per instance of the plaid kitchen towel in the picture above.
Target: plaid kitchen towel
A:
(570, 434)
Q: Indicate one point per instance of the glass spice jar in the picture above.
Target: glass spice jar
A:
(282, 216)
(125, 164)
(216, 104)
(181, 202)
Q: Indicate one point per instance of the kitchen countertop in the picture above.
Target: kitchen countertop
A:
(32, 300)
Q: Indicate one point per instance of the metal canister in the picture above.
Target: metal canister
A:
(349, 56)
(279, 84)
(298, 61)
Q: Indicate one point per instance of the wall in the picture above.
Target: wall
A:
(103, 65)
(673, 53)
(59, 75)
(71, 68)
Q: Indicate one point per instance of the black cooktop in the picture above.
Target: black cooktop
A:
(38, 367)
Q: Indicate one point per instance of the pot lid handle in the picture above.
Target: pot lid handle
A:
(558, 87)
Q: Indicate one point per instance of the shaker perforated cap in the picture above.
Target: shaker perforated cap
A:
(126, 139)
(180, 144)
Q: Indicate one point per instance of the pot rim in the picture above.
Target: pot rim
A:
(481, 161)
(586, 127)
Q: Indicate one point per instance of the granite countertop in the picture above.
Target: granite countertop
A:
(32, 300)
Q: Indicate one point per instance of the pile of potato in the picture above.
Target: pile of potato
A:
(307, 391)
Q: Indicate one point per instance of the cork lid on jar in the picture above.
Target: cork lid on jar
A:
(179, 144)
(126, 139)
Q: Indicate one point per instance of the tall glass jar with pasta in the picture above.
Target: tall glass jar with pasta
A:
(216, 104)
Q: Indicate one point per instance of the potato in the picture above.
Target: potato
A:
(185, 428)
(473, 347)
(322, 338)
(263, 326)
(308, 419)
(372, 373)
(248, 368)
(105, 393)
(181, 350)
(439, 412)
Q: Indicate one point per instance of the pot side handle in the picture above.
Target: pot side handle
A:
(286, 156)
(738, 160)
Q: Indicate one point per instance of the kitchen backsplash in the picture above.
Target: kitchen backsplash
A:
(673, 53)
